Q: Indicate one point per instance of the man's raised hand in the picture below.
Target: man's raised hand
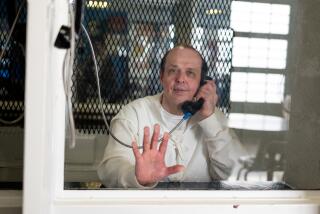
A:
(150, 164)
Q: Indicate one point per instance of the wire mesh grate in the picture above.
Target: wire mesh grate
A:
(130, 38)
(12, 64)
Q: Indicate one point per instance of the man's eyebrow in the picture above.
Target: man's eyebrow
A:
(173, 65)
(176, 66)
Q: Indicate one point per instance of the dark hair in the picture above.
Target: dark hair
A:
(204, 65)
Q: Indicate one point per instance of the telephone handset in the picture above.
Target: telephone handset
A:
(190, 107)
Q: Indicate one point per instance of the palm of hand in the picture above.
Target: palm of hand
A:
(150, 165)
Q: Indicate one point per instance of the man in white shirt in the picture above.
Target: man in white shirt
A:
(198, 151)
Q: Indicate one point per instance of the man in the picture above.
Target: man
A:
(198, 151)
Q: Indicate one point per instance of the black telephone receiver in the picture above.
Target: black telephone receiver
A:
(190, 107)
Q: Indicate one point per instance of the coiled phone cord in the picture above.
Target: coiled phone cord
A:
(186, 116)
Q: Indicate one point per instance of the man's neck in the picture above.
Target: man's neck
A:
(172, 109)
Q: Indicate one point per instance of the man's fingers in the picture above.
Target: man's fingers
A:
(209, 89)
(174, 169)
(135, 150)
(155, 136)
(206, 91)
(146, 137)
(164, 144)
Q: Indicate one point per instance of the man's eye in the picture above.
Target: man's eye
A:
(171, 71)
(190, 73)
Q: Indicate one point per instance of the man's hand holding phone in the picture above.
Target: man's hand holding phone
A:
(208, 92)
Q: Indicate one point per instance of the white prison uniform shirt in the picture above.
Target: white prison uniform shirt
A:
(201, 146)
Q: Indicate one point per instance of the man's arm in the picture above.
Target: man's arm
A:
(117, 168)
(216, 134)
(120, 169)
(218, 141)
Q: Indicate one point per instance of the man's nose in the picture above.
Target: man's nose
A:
(181, 77)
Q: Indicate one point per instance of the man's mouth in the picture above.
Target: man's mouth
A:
(179, 88)
(180, 91)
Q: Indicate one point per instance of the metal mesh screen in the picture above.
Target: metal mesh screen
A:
(12, 64)
(130, 38)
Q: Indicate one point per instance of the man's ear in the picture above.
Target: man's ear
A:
(161, 77)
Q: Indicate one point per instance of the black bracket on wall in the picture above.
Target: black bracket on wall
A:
(63, 38)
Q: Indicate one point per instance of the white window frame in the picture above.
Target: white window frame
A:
(44, 148)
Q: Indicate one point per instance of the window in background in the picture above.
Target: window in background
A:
(260, 44)
(257, 87)
(259, 53)
(256, 17)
